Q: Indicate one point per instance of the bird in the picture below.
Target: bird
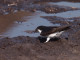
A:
(51, 31)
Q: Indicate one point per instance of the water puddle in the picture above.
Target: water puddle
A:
(26, 24)
(30, 24)
(70, 4)
(7, 21)
(23, 23)
(67, 14)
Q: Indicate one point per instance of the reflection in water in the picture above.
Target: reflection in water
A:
(6, 21)
(30, 25)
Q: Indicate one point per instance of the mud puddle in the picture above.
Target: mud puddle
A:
(8, 21)
(25, 28)
(25, 25)
(31, 22)
(24, 47)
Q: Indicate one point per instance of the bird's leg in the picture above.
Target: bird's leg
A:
(47, 40)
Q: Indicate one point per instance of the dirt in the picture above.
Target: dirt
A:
(55, 1)
(28, 48)
(31, 6)
(32, 48)
(63, 21)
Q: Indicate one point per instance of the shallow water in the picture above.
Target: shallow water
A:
(30, 24)
(23, 23)
(67, 14)
(70, 4)
(7, 21)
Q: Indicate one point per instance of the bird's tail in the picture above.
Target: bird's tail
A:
(65, 28)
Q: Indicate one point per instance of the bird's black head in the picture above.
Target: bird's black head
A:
(40, 28)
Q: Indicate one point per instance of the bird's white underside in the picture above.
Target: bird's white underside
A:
(56, 34)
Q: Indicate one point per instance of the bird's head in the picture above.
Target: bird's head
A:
(39, 29)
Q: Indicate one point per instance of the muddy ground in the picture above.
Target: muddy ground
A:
(12, 6)
(33, 48)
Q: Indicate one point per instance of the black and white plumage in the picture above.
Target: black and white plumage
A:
(50, 32)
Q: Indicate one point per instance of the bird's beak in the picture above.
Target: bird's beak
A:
(35, 31)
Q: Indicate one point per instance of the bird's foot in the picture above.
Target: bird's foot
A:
(47, 40)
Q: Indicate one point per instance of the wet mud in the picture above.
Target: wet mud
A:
(56, 1)
(14, 6)
(30, 46)
(63, 21)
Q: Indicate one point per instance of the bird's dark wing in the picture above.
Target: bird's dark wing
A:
(53, 30)
(47, 30)
(62, 28)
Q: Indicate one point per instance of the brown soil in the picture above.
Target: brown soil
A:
(28, 48)
(33, 48)
(63, 21)
(31, 6)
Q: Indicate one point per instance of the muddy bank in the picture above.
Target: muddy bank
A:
(56, 1)
(67, 47)
(7, 7)
(51, 8)
(11, 6)
(63, 21)
(28, 48)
